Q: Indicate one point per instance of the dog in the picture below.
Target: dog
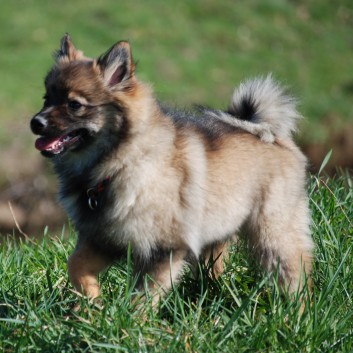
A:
(171, 185)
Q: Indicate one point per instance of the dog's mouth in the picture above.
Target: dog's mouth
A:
(53, 146)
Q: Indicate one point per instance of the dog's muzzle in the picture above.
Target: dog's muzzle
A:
(38, 124)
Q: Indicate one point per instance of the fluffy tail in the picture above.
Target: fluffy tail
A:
(264, 103)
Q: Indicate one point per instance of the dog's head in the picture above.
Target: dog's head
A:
(84, 99)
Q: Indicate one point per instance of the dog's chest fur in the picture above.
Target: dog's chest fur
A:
(136, 206)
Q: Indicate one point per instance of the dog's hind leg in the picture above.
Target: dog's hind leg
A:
(214, 256)
(84, 265)
(282, 241)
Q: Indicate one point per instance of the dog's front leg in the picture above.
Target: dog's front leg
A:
(84, 265)
(159, 276)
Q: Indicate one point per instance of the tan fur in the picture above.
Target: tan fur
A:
(177, 190)
(84, 265)
(215, 256)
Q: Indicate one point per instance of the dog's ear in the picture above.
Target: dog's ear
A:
(117, 65)
(67, 51)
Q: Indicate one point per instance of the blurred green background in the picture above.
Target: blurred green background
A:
(193, 52)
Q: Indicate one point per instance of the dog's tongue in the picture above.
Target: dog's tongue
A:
(45, 143)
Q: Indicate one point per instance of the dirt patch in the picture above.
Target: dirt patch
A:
(30, 207)
(341, 143)
(28, 195)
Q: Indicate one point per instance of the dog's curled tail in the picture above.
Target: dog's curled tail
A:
(264, 102)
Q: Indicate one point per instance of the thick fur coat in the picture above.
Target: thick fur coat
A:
(174, 185)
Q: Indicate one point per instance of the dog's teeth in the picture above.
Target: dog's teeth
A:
(59, 150)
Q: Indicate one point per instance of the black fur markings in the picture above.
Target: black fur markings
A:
(203, 121)
(247, 109)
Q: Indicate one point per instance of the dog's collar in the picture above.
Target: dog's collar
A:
(93, 193)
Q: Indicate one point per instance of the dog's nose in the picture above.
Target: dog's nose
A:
(38, 124)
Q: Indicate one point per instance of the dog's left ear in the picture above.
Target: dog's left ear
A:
(117, 65)
(67, 51)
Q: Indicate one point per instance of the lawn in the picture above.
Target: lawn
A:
(192, 52)
(243, 311)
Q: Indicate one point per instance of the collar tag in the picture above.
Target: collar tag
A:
(92, 199)
(93, 193)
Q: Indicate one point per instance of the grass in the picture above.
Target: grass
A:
(243, 311)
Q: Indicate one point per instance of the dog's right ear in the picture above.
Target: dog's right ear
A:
(117, 65)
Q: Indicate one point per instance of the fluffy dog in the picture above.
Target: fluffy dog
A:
(174, 185)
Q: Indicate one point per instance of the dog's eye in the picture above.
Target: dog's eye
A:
(74, 105)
